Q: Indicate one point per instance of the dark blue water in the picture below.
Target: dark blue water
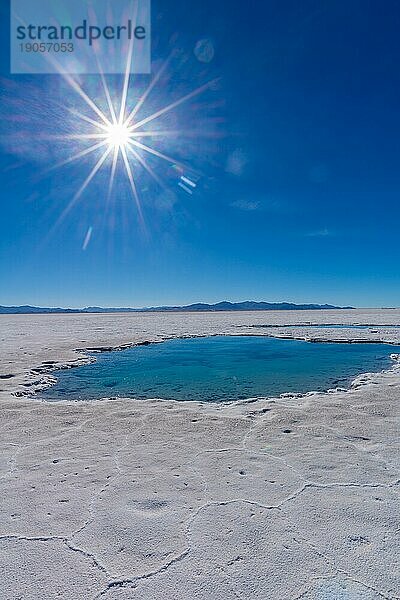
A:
(220, 368)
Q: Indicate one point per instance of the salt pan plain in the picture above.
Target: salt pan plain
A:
(283, 498)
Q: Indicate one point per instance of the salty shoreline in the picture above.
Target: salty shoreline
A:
(278, 498)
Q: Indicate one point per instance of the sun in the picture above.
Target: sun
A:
(118, 136)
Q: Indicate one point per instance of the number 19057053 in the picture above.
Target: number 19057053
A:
(46, 47)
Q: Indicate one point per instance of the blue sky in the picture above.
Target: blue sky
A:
(298, 176)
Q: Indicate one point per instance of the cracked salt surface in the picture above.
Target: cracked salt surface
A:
(123, 501)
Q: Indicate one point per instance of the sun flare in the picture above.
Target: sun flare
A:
(118, 135)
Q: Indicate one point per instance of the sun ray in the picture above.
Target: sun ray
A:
(132, 182)
(87, 119)
(77, 136)
(105, 86)
(77, 156)
(125, 87)
(78, 89)
(127, 73)
(75, 86)
(155, 133)
(108, 96)
(91, 175)
(175, 104)
(172, 133)
(169, 159)
(81, 189)
(141, 101)
(113, 169)
(147, 167)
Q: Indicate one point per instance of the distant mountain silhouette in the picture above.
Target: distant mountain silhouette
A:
(26, 310)
(197, 307)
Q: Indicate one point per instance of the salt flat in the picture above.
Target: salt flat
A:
(283, 498)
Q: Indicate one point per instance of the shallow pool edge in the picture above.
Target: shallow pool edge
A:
(84, 356)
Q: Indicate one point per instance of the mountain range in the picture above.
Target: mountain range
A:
(197, 307)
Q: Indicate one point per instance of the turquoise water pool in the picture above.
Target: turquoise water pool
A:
(220, 368)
